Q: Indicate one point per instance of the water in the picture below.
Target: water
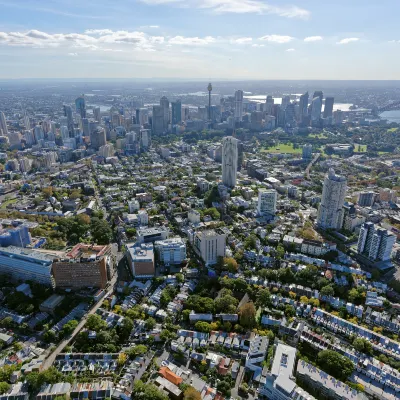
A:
(391, 116)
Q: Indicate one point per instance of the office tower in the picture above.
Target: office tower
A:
(64, 132)
(290, 114)
(27, 122)
(214, 113)
(256, 119)
(106, 150)
(202, 113)
(210, 245)
(85, 127)
(209, 89)
(285, 102)
(320, 94)
(269, 105)
(240, 155)
(366, 199)
(316, 107)
(330, 212)
(238, 105)
(70, 120)
(267, 202)
(97, 114)
(80, 105)
(186, 113)
(328, 109)
(229, 160)
(303, 105)
(176, 112)
(307, 152)
(14, 139)
(145, 139)
(3, 124)
(98, 138)
(29, 138)
(25, 164)
(280, 115)
(171, 251)
(164, 103)
(158, 120)
(38, 132)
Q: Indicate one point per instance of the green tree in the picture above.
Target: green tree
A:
(150, 323)
(202, 326)
(147, 391)
(69, 327)
(95, 323)
(263, 297)
(101, 231)
(4, 387)
(327, 291)
(334, 364)
(125, 329)
(191, 394)
(138, 350)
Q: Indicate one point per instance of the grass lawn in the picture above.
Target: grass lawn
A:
(318, 135)
(393, 130)
(7, 202)
(360, 148)
(283, 148)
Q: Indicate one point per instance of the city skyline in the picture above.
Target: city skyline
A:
(212, 39)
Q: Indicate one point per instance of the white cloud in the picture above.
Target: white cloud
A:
(190, 41)
(243, 40)
(154, 26)
(277, 39)
(73, 54)
(98, 31)
(290, 50)
(313, 38)
(348, 40)
(257, 45)
(237, 7)
(394, 41)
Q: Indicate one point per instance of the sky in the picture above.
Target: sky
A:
(205, 39)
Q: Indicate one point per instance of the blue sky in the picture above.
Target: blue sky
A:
(208, 39)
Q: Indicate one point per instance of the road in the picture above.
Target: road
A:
(234, 391)
(48, 362)
(312, 162)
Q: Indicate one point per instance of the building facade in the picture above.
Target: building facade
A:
(229, 160)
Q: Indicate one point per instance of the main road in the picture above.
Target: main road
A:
(48, 362)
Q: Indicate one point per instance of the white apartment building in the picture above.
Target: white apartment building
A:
(210, 245)
(171, 251)
(330, 212)
(267, 201)
(229, 160)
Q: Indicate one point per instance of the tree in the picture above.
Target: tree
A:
(122, 357)
(226, 304)
(247, 315)
(327, 291)
(147, 391)
(230, 264)
(4, 387)
(362, 345)
(50, 336)
(150, 323)
(69, 327)
(49, 376)
(95, 323)
(263, 297)
(290, 310)
(280, 251)
(191, 394)
(334, 364)
(250, 242)
(125, 329)
(101, 231)
(138, 350)
(202, 326)
(180, 278)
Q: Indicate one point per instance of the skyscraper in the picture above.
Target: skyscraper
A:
(285, 102)
(164, 103)
(320, 94)
(209, 89)
(238, 105)
(97, 114)
(290, 114)
(330, 212)
(303, 105)
(158, 120)
(70, 120)
(229, 160)
(328, 109)
(80, 105)
(98, 138)
(176, 112)
(145, 139)
(269, 104)
(3, 124)
(85, 127)
(316, 107)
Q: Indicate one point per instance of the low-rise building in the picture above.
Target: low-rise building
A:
(141, 259)
(171, 251)
(50, 304)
